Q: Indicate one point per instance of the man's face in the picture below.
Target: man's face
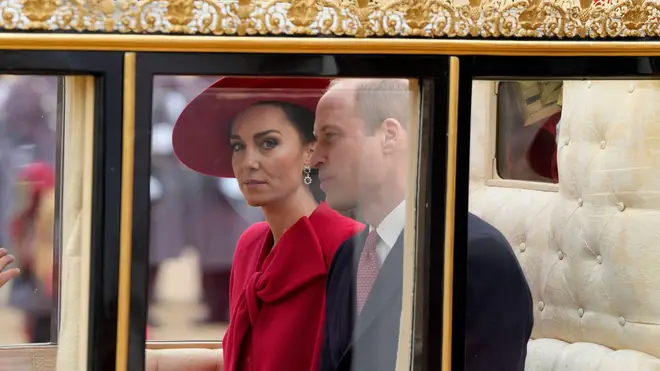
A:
(346, 156)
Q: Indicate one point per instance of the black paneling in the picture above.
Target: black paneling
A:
(104, 283)
(107, 68)
(519, 68)
(347, 65)
(435, 203)
(461, 216)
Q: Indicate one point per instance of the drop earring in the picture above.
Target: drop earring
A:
(307, 179)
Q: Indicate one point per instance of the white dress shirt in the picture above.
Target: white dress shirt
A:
(389, 230)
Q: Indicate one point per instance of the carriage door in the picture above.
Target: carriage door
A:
(60, 143)
(185, 225)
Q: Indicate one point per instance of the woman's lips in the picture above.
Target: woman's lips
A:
(254, 183)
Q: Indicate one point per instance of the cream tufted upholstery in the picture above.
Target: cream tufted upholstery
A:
(591, 251)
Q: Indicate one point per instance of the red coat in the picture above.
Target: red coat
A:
(277, 298)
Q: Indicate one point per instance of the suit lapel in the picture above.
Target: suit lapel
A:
(386, 288)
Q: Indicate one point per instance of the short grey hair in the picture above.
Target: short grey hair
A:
(379, 99)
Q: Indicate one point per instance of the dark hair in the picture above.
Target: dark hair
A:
(303, 121)
(301, 118)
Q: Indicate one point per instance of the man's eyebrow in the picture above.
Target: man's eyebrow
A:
(327, 127)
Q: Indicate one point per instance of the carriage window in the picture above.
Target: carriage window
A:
(587, 251)
(254, 186)
(30, 173)
(528, 122)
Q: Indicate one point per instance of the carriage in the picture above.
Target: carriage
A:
(537, 116)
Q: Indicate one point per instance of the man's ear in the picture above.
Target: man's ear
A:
(391, 132)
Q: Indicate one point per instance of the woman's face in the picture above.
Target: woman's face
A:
(268, 155)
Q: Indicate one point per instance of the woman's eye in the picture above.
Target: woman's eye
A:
(235, 147)
(269, 143)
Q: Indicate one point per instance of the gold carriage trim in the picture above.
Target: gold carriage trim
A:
(358, 18)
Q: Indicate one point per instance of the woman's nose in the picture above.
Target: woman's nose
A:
(251, 160)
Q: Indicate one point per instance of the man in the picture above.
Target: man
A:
(361, 153)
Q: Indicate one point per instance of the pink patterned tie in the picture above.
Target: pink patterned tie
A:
(367, 269)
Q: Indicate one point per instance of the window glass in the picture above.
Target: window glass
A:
(576, 268)
(30, 125)
(528, 120)
(257, 184)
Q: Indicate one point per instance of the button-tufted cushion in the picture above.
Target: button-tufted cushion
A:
(591, 252)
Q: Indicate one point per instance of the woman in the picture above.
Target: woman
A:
(260, 131)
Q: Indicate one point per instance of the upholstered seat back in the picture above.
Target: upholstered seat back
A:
(591, 247)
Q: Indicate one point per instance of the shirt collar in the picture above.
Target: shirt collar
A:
(392, 225)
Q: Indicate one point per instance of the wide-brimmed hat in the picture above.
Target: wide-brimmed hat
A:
(201, 135)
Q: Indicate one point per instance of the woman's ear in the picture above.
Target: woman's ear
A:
(309, 150)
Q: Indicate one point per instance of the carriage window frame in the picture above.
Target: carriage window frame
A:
(544, 68)
(94, 77)
(491, 116)
(429, 71)
(531, 68)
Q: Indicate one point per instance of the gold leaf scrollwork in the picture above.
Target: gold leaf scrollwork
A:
(575, 21)
(244, 9)
(180, 14)
(417, 15)
(362, 9)
(636, 16)
(303, 13)
(652, 24)
(474, 10)
(533, 16)
(596, 19)
(468, 17)
(107, 7)
(38, 12)
(586, 4)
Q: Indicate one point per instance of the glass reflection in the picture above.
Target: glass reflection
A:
(195, 224)
(272, 151)
(28, 132)
(528, 122)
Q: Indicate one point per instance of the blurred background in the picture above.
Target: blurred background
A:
(196, 220)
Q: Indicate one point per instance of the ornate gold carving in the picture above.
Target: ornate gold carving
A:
(533, 16)
(180, 14)
(303, 13)
(38, 12)
(360, 18)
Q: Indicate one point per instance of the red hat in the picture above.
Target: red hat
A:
(33, 180)
(40, 176)
(201, 135)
